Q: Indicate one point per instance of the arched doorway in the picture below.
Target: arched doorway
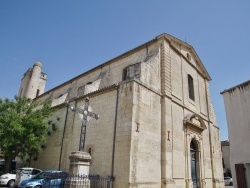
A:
(194, 163)
(194, 126)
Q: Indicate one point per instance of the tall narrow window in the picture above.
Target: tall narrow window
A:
(125, 72)
(37, 92)
(194, 161)
(190, 87)
(21, 92)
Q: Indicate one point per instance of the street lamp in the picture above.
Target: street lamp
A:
(85, 113)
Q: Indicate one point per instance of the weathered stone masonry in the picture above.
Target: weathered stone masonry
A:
(155, 108)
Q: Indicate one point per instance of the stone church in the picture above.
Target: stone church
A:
(157, 126)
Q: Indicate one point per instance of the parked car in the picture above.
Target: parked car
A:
(8, 179)
(48, 178)
(228, 181)
(2, 165)
(25, 173)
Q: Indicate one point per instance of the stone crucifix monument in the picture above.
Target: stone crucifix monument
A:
(80, 160)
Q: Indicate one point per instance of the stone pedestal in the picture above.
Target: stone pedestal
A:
(79, 163)
(79, 170)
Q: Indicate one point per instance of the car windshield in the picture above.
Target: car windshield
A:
(39, 176)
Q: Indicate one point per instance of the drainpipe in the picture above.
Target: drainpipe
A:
(66, 117)
(114, 136)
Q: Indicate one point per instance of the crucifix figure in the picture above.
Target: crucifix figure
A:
(86, 114)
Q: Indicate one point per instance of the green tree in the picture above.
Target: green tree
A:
(228, 173)
(24, 126)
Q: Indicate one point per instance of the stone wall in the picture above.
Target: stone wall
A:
(237, 105)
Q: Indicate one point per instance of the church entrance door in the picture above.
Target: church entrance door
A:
(193, 157)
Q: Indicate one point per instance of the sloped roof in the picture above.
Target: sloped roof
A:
(239, 85)
(168, 37)
(225, 143)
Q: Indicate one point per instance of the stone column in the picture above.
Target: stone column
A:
(189, 182)
(79, 170)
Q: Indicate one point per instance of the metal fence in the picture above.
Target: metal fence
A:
(78, 181)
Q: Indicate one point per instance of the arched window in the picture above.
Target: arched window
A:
(190, 87)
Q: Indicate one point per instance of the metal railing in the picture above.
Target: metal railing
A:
(78, 181)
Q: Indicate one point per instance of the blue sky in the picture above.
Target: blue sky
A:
(71, 37)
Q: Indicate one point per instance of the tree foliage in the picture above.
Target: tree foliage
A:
(23, 127)
(228, 173)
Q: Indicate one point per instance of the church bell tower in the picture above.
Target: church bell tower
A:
(33, 82)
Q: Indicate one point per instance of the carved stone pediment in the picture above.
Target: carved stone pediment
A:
(194, 122)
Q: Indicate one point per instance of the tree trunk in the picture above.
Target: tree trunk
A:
(7, 166)
(30, 160)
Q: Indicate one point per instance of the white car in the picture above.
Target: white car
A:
(8, 179)
(228, 181)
